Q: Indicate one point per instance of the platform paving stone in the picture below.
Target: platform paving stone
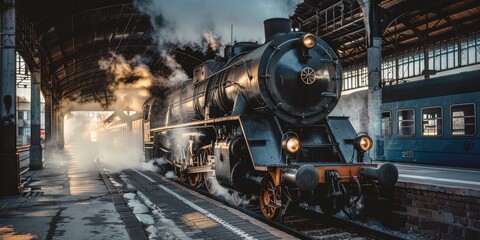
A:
(67, 199)
(194, 224)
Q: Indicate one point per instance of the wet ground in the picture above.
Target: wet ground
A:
(67, 199)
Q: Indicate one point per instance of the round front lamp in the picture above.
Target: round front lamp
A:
(363, 142)
(309, 40)
(292, 145)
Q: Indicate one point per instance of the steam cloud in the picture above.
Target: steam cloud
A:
(354, 106)
(208, 22)
(130, 81)
(200, 25)
(177, 75)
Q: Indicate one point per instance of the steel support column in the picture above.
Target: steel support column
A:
(60, 129)
(9, 168)
(57, 126)
(35, 146)
(55, 118)
(48, 123)
(375, 97)
(371, 10)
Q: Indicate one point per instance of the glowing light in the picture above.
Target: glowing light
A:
(309, 40)
(363, 143)
(293, 145)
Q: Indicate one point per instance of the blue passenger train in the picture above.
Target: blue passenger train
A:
(433, 121)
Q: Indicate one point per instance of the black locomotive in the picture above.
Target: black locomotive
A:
(256, 121)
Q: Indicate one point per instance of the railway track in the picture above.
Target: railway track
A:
(307, 224)
(303, 224)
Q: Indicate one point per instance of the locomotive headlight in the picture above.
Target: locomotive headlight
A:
(292, 145)
(363, 142)
(309, 40)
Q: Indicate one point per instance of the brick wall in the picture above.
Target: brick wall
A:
(440, 212)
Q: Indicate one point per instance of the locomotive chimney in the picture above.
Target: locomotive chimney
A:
(228, 52)
(276, 26)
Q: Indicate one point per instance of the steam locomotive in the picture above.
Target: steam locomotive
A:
(256, 122)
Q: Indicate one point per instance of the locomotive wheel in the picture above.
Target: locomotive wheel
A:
(204, 153)
(179, 174)
(354, 207)
(238, 198)
(193, 179)
(208, 181)
(270, 201)
(179, 161)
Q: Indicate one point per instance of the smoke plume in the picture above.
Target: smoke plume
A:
(203, 25)
(115, 148)
(215, 43)
(177, 75)
(130, 80)
(208, 22)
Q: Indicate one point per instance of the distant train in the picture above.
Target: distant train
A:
(433, 121)
(122, 130)
(256, 122)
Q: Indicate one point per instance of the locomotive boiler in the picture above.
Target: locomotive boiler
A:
(257, 122)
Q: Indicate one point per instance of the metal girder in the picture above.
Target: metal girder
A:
(434, 38)
(421, 35)
(82, 80)
(74, 35)
(98, 51)
(27, 44)
(441, 14)
(433, 19)
(410, 12)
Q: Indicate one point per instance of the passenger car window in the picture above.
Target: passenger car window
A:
(387, 124)
(432, 121)
(406, 122)
(463, 119)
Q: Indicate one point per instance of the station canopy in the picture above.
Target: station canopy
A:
(405, 24)
(69, 37)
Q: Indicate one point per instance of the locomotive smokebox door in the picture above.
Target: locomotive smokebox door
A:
(299, 87)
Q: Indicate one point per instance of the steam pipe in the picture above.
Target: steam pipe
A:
(289, 175)
(256, 179)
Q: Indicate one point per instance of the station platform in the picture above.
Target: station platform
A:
(441, 176)
(67, 199)
(441, 201)
(71, 198)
